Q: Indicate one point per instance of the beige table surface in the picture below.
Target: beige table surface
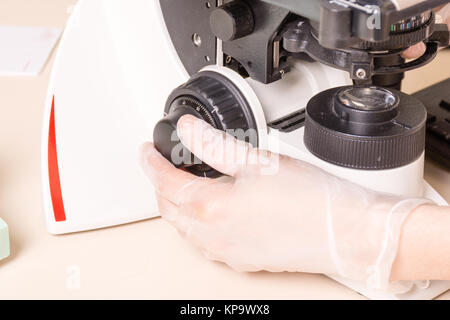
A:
(139, 260)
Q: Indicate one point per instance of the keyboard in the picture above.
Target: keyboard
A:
(437, 101)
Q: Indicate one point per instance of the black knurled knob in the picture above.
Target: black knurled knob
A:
(232, 21)
(215, 99)
(367, 128)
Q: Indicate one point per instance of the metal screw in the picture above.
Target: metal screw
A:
(196, 39)
(361, 73)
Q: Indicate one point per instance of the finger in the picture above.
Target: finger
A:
(414, 51)
(167, 209)
(169, 182)
(216, 148)
(195, 210)
(443, 15)
(188, 226)
(170, 212)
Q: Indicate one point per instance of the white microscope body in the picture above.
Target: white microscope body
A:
(113, 72)
(4, 240)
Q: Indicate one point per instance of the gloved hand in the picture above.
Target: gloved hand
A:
(415, 51)
(294, 218)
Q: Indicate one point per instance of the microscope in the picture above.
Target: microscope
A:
(316, 80)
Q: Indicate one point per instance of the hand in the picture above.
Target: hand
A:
(418, 49)
(294, 218)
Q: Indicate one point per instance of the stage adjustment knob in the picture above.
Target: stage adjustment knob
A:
(232, 21)
(215, 99)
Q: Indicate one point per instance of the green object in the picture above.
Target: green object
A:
(4, 240)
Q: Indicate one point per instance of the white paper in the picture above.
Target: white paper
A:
(25, 50)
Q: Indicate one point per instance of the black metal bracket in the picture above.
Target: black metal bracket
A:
(299, 38)
(260, 53)
(187, 23)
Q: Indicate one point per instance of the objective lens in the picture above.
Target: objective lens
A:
(368, 98)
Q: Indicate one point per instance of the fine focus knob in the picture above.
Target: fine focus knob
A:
(215, 99)
(165, 135)
(232, 21)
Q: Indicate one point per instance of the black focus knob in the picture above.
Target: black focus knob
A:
(165, 135)
(232, 20)
(215, 99)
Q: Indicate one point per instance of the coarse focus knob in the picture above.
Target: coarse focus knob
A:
(215, 99)
(232, 21)
(165, 135)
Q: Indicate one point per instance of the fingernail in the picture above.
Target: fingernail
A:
(147, 154)
(186, 121)
(421, 48)
(150, 153)
(180, 130)
(146, 148)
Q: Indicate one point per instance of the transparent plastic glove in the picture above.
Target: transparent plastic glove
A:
(293, 217)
